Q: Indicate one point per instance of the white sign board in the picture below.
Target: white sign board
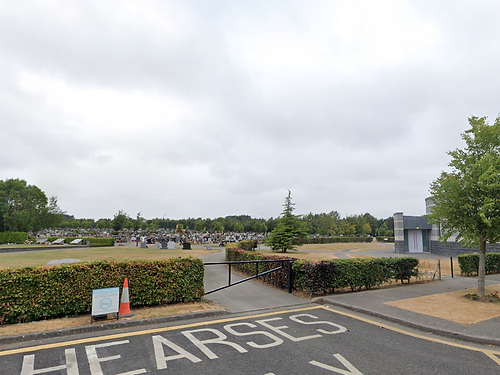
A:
(105, 301)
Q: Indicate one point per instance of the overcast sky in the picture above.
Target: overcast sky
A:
(202, 108)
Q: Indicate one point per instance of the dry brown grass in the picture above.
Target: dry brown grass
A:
(82, 320)
(453, 306)
(428, 267)
(362, 246)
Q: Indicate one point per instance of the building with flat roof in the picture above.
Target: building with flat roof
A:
(414, 234)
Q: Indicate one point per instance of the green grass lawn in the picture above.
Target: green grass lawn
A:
(40, 258)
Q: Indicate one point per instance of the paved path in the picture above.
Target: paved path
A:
(247, 296)
(252, 295)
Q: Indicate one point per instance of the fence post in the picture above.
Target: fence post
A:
(229, 277)
(451, 261)
(290, 276)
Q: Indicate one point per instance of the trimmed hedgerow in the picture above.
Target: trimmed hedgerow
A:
(385, 239)
(13, 237)
(36, 293)
(326, 276)
(278, 278)
(94, 242)
(323, 240)
(469, 263)
(248, 245)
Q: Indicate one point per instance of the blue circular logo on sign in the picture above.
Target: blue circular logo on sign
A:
(105, 303)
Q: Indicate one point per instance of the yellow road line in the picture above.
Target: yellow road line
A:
(493, 354)
(145, 332)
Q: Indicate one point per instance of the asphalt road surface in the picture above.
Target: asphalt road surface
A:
(305, 340)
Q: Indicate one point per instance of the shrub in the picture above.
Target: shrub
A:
(326, 276)
(323, 240)
(278, 278)
(94, 242)
(383, 239)
(35, 293)
(13, 237)
(248, 245)
(469, 263)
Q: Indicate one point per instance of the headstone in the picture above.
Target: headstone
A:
(164, 244)
(59, 241)
(61, 261)
(186, 246)
(171, 245)
(143, 245)
(76, 241)
(158, 245)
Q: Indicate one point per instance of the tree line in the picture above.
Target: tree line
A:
(25, 208)
(323, 224)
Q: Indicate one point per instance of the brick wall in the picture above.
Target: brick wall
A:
(454, 249)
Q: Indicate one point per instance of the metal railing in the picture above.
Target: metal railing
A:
(257, 274)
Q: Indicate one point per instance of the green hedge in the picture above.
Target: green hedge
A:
(352, 273)
(36, 293)
(94, 242)
(323, 240)
(277, 278)
(326, 276)
(382, 238)
(469, 263)
(248, 245)
(13, 237)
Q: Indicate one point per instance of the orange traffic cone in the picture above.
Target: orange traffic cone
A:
(125, 304)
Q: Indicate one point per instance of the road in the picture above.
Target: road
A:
(304, 340)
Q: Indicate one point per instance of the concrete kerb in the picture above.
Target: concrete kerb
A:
(108, 326)
(420, 327)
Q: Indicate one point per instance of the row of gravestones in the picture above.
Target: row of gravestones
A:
(170, 245)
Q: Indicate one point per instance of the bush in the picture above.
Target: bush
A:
(323, 240)
(248, 245)
(278, 278)
(469, 263)
(13, 237)
(383, 239)
(326, 276)
(35, 293)
(94, 242)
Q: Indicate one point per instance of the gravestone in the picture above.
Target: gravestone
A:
(59, 241)
(171, 245)
(143, 245)
(76, 241)
(158, 245)
(61, 261)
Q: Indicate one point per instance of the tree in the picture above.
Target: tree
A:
(238, 228)
(288, 229)
(467, 199)
(120, 220)
(25, 207)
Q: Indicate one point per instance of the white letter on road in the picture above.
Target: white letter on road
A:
(71, 365)
(218, 340)
(161, 360)
(277, 340)
(352, 370)
(279, 330)
(340, 329)
(94, 360)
